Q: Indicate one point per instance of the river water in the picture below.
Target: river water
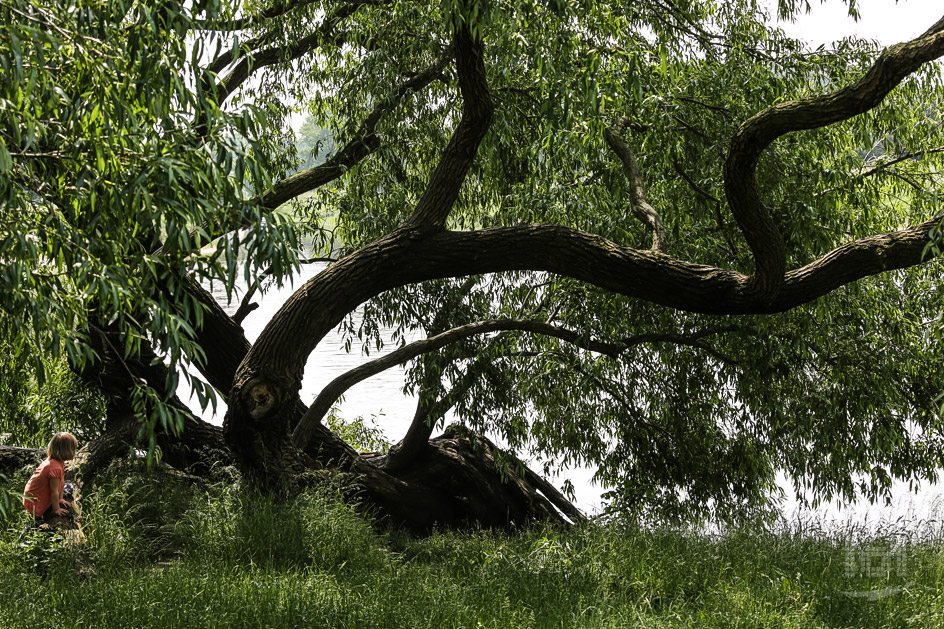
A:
(380, 400)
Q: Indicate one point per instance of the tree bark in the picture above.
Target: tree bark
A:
(13, 458)
(198, 445)
(454, 483)
(491, 492)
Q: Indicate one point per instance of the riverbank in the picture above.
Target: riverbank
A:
(159, 553)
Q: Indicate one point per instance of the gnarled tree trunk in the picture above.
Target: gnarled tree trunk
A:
(455, 482)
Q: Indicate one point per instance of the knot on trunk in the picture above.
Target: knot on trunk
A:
(259, 398)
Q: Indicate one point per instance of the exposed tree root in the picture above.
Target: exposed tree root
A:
(486, 486)
(13, 458)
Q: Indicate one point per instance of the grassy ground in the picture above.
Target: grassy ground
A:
(162, 554)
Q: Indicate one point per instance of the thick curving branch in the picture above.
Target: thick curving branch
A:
(406, 256)
(756, 134)
(422, 250)
(330, 394)
(441, 192)
(855, 260)
(637, 187)
(668, 281)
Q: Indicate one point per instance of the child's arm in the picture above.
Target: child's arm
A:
(55, 497)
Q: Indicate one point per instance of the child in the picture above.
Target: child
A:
(42, 496)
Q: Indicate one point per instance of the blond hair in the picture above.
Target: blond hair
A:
(62, 447)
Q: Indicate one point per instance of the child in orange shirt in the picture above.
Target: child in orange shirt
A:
(42, 496)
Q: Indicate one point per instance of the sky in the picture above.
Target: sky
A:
(886, 21)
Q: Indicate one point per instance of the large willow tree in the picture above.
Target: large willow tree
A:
(656, 237)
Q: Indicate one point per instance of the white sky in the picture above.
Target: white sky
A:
(886, 21)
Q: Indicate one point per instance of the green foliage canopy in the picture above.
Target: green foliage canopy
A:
(116, 168)
(143, 145)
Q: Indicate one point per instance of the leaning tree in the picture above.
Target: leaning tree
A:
(660, 238)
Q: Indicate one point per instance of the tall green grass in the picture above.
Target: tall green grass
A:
(161, 553)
